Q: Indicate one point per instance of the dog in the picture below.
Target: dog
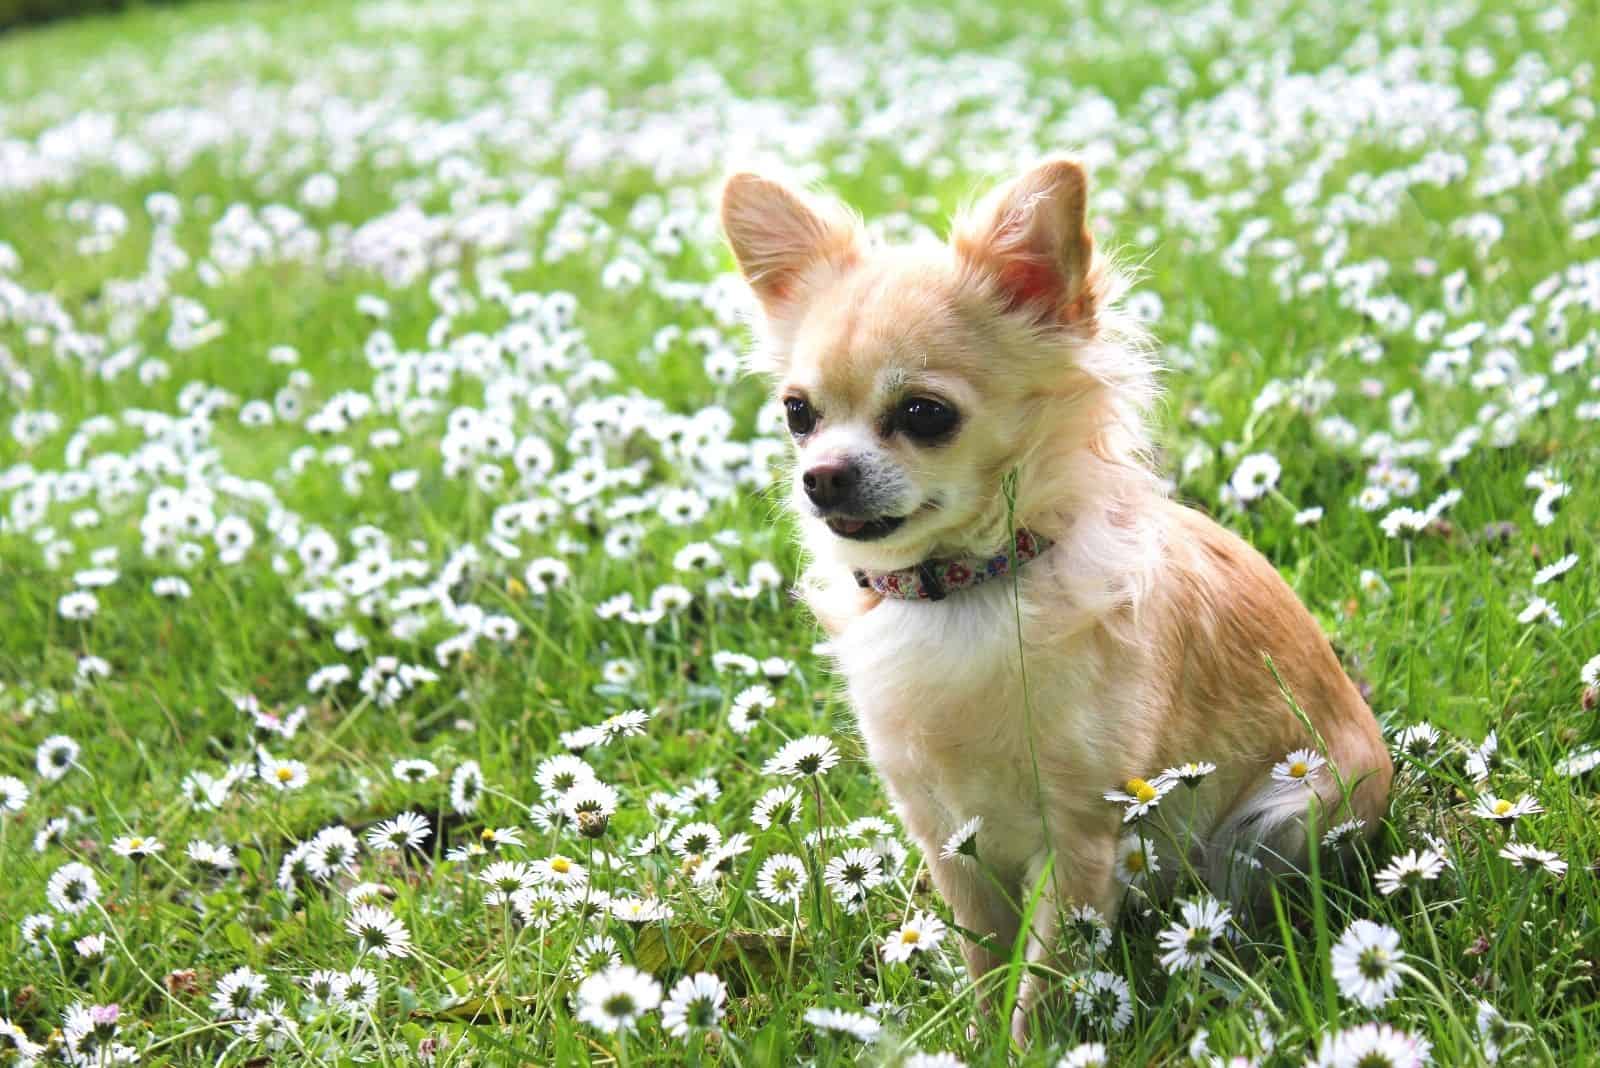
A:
(1025, 620)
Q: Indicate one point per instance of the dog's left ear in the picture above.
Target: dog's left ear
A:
(1031, 236)
(778, 235)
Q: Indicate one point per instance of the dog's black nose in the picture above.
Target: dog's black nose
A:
(831, 484)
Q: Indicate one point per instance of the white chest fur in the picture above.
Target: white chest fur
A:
(956, 724)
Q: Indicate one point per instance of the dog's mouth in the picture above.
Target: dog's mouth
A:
(865, 529)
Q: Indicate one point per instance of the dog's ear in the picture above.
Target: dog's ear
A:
(1031, 236)
(778, 235)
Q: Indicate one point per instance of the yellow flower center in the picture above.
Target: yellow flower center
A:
(1141, 791)
(136, 843)
(1135, 862)
(1298, 769)
(910, 937)
(561, 865)
(488, 834)
(1501, 807)
(285, 774)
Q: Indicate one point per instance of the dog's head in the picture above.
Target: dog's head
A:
(915, 381)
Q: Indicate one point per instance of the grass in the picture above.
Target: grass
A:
(1322, 124)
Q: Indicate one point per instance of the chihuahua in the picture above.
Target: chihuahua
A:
(1025, 621)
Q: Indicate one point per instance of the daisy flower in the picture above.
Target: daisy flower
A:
(215, 857)
(1503, 811)
(1136, 860)
(1365, 963)
(629, 724)
(466, 788)
(1139, 797)
(415, 770)
(1494, 1032)
(594, 954)
(560, 870)
(1085, 1055)
(590, 805)
(499, 837)
(778, 806)
(1551, 572)
(283, 774)
(1298, 767)
(853, 873)
(1418, 741)
(72, 888)
(781, 879)
(357, 989)
(695, 1003)
(963, 841)
(750, 705)
(1192, 942)
(617, 998)
(1088, 924)
(1190, 774)
(378, 932)
(1104, 996)
(695, 839)
(1372, 1045)
(48, 834)
(506, 878)
(13, 794)
(538, 906)
(1255, 476)
(558, 774)
(236, 993)
(806, 756)
(1409, 869)
(15, 1040)
(640, 909)
(331, 852)
(1532, 858)
(405, 831)
(857, 1025)
(1580, 761)
(920, 934)
(56, 756)
(322, 986)
(1343, 833)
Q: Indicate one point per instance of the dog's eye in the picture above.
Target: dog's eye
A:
(802, 418)
(925, 419)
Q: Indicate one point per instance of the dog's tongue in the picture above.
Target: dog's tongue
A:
(848, 526)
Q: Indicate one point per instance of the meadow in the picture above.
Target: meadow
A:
(397, 657)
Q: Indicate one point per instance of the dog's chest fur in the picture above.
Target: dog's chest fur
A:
(939, 692)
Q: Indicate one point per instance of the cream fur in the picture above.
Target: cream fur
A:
(1143, 633)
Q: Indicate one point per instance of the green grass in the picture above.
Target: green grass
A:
(905, 115)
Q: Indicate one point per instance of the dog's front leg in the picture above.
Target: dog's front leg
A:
(982, 909)
(1082, 872)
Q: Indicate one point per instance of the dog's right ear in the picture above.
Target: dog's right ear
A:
(779, 235)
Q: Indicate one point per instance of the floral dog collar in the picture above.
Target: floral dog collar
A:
(933, 580)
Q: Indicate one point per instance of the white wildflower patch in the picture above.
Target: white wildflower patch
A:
(398, 659)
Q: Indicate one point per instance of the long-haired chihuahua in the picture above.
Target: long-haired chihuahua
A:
(1026, 622)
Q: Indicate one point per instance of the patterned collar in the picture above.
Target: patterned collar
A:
(933, 580)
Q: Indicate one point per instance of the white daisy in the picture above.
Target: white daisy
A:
(963, 841)
(1364, 963)
(1409, 869)
(920, 934)
(1193, 941)
(1298, 767)
(695, 1004)
(802, 758)
(617, 998)
(781, 879)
